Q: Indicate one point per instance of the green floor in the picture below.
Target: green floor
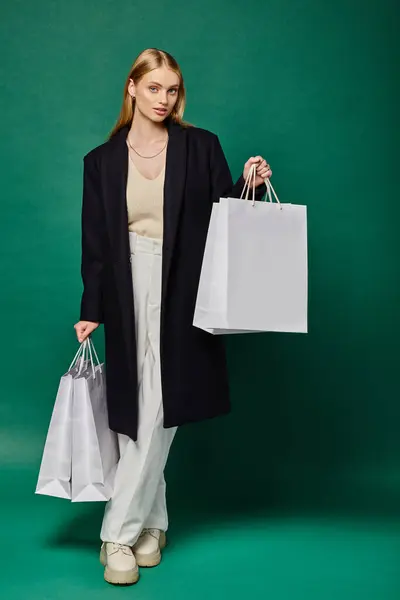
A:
(50, 551)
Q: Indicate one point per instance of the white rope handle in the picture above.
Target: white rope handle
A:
(91, 347)
(77, 357)
(83, 356)
(254, 183)
(91, 358)
(85, 352)
(266, 181)
(251, 173)
(245, 185)
(95, 353)
(269, 188)
(254, 171)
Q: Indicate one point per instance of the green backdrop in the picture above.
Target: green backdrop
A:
(313, 86)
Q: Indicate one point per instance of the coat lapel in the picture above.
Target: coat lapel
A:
(174, 188)
(114, 184)
(115, 176)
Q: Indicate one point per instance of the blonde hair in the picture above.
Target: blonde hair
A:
(150, 59)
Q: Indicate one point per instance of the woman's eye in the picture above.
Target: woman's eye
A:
(153, 89)
(174, 91)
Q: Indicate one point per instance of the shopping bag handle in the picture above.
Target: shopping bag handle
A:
(252, 175)
(81, 354)
(88, 345)
(76, 357)
(95, 353)
(269, 189)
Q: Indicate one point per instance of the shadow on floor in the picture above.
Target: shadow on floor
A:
(200, 509)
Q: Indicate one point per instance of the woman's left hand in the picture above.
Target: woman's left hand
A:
(263, 170)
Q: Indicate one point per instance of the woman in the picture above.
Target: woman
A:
(147, 200)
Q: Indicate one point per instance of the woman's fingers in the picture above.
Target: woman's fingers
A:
(253, 160)
(263, 169)
(82, 331)
(262, 165)
(81, 334)
(265, 173)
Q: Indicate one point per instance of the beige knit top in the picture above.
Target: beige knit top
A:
(145, 199)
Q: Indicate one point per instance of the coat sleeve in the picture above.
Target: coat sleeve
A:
(92, 223)
(221, 179)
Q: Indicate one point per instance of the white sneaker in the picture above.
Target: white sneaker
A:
(120, 564)
(147, 549)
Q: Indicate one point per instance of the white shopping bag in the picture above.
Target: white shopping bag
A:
(55, 469)
(254, 272)
(94, 446)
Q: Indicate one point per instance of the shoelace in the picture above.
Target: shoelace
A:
(117, 547)
(153, 532)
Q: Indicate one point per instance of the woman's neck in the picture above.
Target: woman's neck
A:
(145, 131)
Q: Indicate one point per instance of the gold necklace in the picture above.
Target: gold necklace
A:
(141, 156)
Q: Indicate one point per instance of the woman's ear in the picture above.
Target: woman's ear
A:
(132, 88)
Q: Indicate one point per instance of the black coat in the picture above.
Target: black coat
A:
(193, 363)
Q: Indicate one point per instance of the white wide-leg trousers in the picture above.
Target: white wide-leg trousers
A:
(139, 496)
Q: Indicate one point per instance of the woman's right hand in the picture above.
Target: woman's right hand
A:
(84, 329)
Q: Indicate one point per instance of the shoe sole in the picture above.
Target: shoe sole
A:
(118, 577)
(154, 559)
(121, 577)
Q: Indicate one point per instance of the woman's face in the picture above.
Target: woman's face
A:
(156, 93)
